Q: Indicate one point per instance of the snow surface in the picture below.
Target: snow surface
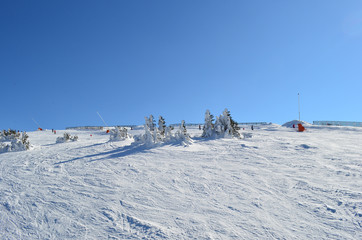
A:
(279, 184)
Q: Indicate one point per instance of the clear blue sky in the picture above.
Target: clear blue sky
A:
(62, 61)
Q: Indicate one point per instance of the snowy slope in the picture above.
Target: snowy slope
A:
(279, 184)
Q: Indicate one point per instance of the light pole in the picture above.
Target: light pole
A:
(299, 106)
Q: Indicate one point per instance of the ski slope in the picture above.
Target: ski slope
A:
(279, 184)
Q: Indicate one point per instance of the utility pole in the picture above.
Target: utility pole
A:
(299, 106)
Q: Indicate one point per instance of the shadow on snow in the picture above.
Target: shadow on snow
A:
(133, 148)
(116, 153)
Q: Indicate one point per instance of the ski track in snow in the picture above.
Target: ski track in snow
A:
(279, 184)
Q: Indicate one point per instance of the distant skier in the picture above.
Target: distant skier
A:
(252, 127)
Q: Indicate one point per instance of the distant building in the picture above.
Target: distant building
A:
(254, 123)
(85, 128)
(338, 123)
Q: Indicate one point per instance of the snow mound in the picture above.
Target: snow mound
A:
(295, 123)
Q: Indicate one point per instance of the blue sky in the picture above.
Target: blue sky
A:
(61, 62)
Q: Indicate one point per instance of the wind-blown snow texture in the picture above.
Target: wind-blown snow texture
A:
(279, 184)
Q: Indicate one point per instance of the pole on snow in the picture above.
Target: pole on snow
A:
(102, 119)
(36, 123)
(299, 106)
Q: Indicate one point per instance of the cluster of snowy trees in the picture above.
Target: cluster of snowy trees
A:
(162, 133)
(67, 138)
(118, 134)
(224, 125)
(11, 141)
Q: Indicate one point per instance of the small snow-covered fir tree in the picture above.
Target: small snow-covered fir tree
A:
(219, 128)
(182, 135)
(151, 123)
(168, 133)
(208, 129)
(66, 138)
(8, 135)
(118, 134)
(231, 127)
(25, 141)
(224, 125)
(162, 134)
(161, 126)
(147, 137)
(18, 142)
(150, 135)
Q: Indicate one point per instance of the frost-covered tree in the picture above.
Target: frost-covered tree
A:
(147, 137)
(183, 129)
(168, 133)
(231, 127)
(150, 135)
(118, 134)
(151, 123)
(182, 135)
(208, 129)
(224, 125)
(162, 134)
(66, 138)
(161, 126)
(219, 128)
(8, 135)
(18, 142)
(25, 141)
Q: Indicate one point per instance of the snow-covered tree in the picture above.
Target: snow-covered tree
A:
(151, 123)
(118, 134)
(8, 135)
(168, 133)
(182, 135)
(231, 127)
(224, 125)
(219, 128)
(66, 138)
(150, 135)
(208, 129)
(18, 142)
(24, 140)
(162, 134)
(161, 126)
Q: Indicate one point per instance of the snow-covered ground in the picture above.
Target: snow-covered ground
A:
(279, 184)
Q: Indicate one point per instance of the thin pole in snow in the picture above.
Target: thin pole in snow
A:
(36, 123)
(102, 119)
(299, 106)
